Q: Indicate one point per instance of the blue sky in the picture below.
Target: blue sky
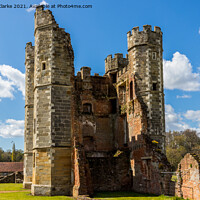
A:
(95, 33)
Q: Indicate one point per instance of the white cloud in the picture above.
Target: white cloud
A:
(6, 89)
(183, 97)
(34, 6)
(173, 120)
(14, 78)
(180, 122)
(193, 115)
(12, 128)
(178, 74)
(199, 31)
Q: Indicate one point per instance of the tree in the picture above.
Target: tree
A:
(13, 153)
(180, 143)
(16, 155)
(7, 156)
(19, 155)
(1, 154)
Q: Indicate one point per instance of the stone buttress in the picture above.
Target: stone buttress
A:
(53, 81)
(29, 100)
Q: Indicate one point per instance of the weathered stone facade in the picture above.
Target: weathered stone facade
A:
(89, 133)
(188, 177)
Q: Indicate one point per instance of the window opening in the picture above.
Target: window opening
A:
(87, 108)
(154, 55)
(113, 106)
(131, 90)
(43, 66)
(113, 78)
(154, 86)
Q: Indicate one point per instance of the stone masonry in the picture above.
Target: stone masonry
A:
(87, 133)
(188, 177)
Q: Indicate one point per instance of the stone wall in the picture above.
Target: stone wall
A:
(188, 177)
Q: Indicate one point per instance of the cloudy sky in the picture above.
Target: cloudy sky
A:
(95, 33)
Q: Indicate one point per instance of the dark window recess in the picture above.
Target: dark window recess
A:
(43, 66)
(154, 86)
(87, 108)
(113, 78)
(113, 106)
(131, 90)
(154, 55)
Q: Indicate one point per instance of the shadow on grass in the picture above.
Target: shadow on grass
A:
(120, 194)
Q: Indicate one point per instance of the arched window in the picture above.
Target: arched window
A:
(87, 108)
(131, 90)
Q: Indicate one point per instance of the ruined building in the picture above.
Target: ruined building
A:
(86, 133)
(188, 176)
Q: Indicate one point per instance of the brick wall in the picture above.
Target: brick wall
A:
(188, 177)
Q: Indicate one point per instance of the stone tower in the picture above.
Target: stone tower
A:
(145, 61)
(50, 111)
(88, 132)
(29, 101)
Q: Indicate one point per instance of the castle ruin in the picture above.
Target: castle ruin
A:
(87, 133)
(188, 176)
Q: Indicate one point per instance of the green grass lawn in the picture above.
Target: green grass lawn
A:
(11, 187)
(24, 194)
(131, 196)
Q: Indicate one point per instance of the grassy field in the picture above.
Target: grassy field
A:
(131, 196)
(11, 187)
(23, 194)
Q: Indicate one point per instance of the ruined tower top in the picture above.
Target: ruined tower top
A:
(146, 36)
(44, 17)
(112, 65)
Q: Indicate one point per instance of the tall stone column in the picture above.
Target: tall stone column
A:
(53, 86)
(28, 128)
